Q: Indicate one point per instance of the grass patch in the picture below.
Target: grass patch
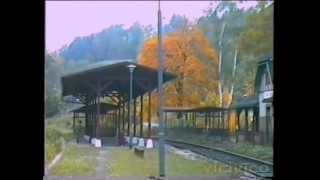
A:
(79, 161)
(125, 163)
(256, 151)
(63, 123)
(179, 166)
(56, 131)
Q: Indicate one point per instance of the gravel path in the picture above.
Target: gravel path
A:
(146, 178)
(103, 168)
(101, 163)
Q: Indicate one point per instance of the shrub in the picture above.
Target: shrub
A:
(54, 138)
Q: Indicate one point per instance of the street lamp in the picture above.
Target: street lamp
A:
(160, 82)
(131, 69)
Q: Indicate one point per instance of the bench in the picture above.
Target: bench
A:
(139, 151)
(87, 138)
(149, 144)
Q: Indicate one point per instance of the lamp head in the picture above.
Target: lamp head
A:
(131, 67)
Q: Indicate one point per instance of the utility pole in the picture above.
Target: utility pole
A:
(131, 69)
(160, 81)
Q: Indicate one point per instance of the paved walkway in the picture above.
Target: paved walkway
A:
(101, 163)
(145, 178)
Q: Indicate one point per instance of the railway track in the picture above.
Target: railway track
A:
(259, 168)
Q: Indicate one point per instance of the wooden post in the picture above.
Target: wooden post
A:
(257, 119)
(86, 123)
(92, 124)
(186, 119)
(149, 114)
(219, 120)
(165, 123)
(195, 119)
(114, 122)
(94, 119)
(119, 120)
(210, 117)
(238, 124)
(253, 121)
(73, 122)
(246, 120)
(123, 116)
(213, 120)
(238, 118)
(223, 119)
(141, 116)
(128, 125)
(206, 121)
(228, 119)
(98, 107)
(134, 116)
(89, 125)
(196, 115)
(90, 128)
(119, 117)
(114, 125)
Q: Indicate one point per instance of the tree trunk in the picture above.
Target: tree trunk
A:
(219, 69)
(233, 76)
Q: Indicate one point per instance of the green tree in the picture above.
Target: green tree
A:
(53, 72)
(250, 31)
(223, 25)
(255, 43)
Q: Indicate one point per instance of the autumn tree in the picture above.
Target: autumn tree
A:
(189, 55)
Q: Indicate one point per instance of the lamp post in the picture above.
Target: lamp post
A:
(160, 82)
(131, 69)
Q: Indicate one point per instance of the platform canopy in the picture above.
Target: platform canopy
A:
(196, 109)
(246, 102)
(268, 100)
(104, 108)
(112, 78)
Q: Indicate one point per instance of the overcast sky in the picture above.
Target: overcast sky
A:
(66, 20)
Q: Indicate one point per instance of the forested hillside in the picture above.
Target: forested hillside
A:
(217, 54)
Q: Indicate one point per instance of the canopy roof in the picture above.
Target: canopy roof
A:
(112, 78)
(104, 108)
(246, 102)
(197, 109)
(268, 100)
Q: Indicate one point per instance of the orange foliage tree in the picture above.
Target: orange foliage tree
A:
(189, 55)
